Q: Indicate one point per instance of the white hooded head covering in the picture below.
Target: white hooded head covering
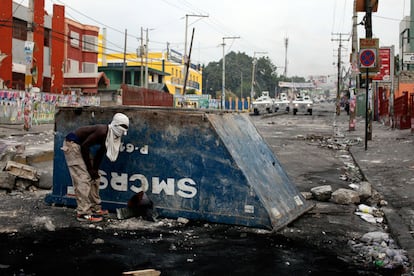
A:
(117, 128)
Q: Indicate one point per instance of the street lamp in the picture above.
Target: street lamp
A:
(253, 75)
(143, 50)
(223, 90)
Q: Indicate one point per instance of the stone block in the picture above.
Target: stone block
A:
(345, 196)
(322, 193)
(7, 181)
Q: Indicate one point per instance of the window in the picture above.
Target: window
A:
(46, 40)
(88, 67)
(74, 39)
(19, 29)
(90, 43)
(73, 66)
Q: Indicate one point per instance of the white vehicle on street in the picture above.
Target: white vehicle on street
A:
(302, 104)
(282, 103)
(263, 104)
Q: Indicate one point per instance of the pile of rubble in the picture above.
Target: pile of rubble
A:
(15, 173)
(374, 247)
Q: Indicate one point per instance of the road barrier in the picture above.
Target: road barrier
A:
(201, 165)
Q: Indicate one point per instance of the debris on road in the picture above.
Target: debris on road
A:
(379, 249)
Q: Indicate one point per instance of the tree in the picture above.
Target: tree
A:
(239, 76)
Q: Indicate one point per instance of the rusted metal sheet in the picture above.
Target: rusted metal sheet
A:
(401, 115)
(145, 97)
(200, 165)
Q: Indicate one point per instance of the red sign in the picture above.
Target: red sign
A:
(385, 65)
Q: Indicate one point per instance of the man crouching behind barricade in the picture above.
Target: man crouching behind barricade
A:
(84, 170)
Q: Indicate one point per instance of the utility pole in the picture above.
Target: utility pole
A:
(368, 34)
(286, 48)
(186, 30)
(187, 65)
(124, 64)
(104, 63)
(368, 6)
(223, 89)
(340, 39)
(241, 85)
(29, 46)
(254, 62)
(354, 69)
(185, 58)
(146, 60)
(141, 54)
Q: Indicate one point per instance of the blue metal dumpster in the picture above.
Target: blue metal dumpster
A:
(201, 165)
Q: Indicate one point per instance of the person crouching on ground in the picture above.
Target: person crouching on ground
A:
(84, 169)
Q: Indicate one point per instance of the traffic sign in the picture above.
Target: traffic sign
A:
(367, 58)
(408, 58)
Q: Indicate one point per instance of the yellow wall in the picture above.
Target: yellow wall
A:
(174, 81)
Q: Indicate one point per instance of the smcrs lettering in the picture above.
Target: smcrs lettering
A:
(184, 187)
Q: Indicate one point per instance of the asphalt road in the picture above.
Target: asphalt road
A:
(37, 239)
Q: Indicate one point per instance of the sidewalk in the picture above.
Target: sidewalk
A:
(388, 164)
(17, 129)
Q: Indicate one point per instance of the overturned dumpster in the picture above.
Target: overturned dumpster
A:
(201, 165)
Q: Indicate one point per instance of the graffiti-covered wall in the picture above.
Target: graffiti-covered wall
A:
(40, 107)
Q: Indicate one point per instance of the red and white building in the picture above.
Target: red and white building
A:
(64, 56)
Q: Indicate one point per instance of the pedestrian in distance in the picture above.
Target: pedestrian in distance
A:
(84, 168)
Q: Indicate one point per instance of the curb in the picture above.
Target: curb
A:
(397, 227)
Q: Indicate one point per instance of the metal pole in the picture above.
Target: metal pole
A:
(223, 85)
(146, 61)
(142, 58)
(223, 92)
(368, 34)
(286, 48)
(252, 87)
(391, 100)
(338, 108)
(185, 39)
(104, 63)
(253, 73)
(241, 85)
(366, 108)
(124, 64)
(187, 65)
(185, 58)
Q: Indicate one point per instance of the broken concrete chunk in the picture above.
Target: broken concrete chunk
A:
(22, 171)
(307, 195)
(183, 220)
(7, 181)
(364, 190)
(345, 196)
(23, 184)
(322, 193)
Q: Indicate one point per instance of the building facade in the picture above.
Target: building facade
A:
(49, 53)
(164, 68)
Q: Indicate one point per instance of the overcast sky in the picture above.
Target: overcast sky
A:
(262, 25)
